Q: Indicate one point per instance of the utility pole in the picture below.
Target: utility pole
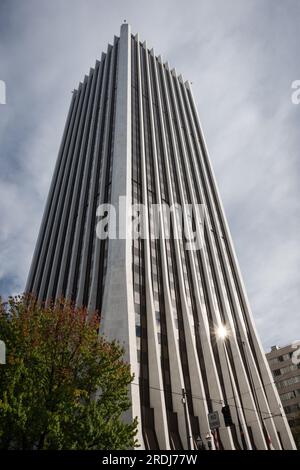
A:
(187, 421)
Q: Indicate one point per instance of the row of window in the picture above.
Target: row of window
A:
(287, 382)
(285, 370)
(284, 357)
(292, 408)
(290, 395)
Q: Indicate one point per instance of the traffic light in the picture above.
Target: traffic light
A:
(227, 415)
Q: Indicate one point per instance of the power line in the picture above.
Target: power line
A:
(215, 400)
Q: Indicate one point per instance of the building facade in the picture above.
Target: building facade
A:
(133, 132)
(285, 366)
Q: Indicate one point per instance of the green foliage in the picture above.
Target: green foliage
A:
(63, 386)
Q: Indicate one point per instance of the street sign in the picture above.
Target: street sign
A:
(2, 352)
(214, 420)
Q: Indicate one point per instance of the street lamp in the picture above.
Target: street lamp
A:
(189, 434)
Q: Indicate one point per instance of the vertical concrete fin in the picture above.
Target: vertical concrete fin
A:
(118, 320)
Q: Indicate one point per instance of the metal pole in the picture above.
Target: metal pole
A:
(187, 421)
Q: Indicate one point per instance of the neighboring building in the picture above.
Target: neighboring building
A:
(133, 130)
(286, 373)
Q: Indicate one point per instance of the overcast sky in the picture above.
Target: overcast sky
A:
(241, 55)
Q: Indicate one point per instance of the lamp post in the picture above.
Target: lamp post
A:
(187, 421)
(222, 334)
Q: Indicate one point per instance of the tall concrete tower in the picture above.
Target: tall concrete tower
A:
(133, 134)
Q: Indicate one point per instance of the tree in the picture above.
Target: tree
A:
(64, 386)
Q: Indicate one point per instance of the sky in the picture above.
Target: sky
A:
(241, 56)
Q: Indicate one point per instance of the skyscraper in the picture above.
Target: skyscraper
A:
(182, 314)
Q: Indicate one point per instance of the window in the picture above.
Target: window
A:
(292, 408)
(289, 368)
(287, 396)
(138, 331)
(287, 382)
(137, 308)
